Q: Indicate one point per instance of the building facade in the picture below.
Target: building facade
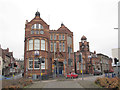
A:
(47, 45)
(90, 59)
(1, 65)
(105, 63)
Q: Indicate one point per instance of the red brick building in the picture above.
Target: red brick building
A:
(50, 45)
(90, 60)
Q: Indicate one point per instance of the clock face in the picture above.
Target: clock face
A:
(41, 32)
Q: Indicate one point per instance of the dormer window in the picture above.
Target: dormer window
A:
(37, 26)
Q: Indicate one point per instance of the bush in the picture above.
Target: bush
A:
(108, 82)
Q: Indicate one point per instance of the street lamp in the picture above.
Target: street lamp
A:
(65, 67)
(101, 65)
(39, 61)
(90, 62)
(81, 64)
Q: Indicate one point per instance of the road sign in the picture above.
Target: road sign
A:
(81, 71)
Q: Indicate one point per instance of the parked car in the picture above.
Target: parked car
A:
(72, 75)
(97, 72)
(3, 77)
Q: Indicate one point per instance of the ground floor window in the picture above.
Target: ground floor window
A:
(43, 64)
(77, 65)
(30, 63)
(36, 65)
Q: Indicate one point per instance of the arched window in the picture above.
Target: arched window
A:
(42, 44)
(37, 26)
(37, 44)
(31, 44)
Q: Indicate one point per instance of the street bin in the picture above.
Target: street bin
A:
(34, 77)
(112, 75)
(105, 74)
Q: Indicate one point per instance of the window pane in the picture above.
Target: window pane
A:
(63, 37)
(41, 27)
(51, 37)
(36, 65)
(34, 26)
(37, 31)
(77, 65)
(59, 37)
(43, 64)
(60, 46)
(55, 46)
(37, 26)
(30, 44)
(54, 37)
(51, 46)
(63, 47)
(32, 31)
(42, 44)
(30, 63)
(37, 44)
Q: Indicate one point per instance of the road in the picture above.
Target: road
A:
(69, 83)
(56, 84)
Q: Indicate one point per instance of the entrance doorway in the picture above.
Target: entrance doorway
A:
(60, 68)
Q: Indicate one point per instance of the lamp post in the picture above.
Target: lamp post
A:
(101, 65)
(65, 67)
(89, 57)
(39, 62)
(81, 64)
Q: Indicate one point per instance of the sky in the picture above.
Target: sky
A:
(96, 19)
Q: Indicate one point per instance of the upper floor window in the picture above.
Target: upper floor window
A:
(69, 40)
(59, 37)
(63, 37)
(54, 46)
(32, 31)
(37, 31)
(51, 37)
(51, 45)
(42, 44)
(54, 37)
(63, 47)
(36, 44)
(60, 46)
(31, 44)
(37, 26)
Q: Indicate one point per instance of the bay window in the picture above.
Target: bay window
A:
(42, 44)
(36, 44)
(31, 44)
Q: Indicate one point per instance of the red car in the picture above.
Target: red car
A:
(72, 75)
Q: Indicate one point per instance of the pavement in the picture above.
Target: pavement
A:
(56, 84)
(67, 83)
